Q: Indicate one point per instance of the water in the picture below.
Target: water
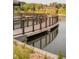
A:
(56, 40)
(59, 43)
(43, 39)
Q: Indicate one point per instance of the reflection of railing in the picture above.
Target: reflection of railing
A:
(26, 24)
(44, 40)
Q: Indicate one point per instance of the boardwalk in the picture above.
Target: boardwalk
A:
(30, 26)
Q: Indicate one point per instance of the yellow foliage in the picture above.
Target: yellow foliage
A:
(61, 11)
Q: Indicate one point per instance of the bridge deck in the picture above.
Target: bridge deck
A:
(21, 28)
(29, 30)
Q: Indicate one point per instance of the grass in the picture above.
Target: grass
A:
(21, 52)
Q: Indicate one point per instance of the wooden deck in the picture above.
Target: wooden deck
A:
(32, 27)
(18, 31)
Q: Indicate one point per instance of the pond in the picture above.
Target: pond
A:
(59, 43)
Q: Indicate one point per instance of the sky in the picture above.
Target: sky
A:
(43, 1)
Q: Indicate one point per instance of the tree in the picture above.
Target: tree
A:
(59, 5)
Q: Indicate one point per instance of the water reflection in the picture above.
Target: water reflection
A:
(43, 39)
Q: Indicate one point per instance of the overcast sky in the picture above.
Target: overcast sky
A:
(44, 1)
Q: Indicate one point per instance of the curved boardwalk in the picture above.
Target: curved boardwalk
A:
(33, 24)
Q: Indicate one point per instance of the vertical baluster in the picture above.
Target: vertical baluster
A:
(27, 22)
(40, 24)
(49, 21)
(21, 16)
(36, 20)
(46, 22)
(22, 23)
(33, 24)
(57, 18)
(52, 20)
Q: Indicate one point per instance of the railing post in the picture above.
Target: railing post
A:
(45, 22)
(33, 24)
(49, 21)
(52, 21)
(22, 23)
(40, 24)
(27, 22)
(36, 22)
(57, 19)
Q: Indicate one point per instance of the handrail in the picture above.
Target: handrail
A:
(41, 21)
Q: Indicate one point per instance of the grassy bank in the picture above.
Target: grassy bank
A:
(24, 51)
(20, 51)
